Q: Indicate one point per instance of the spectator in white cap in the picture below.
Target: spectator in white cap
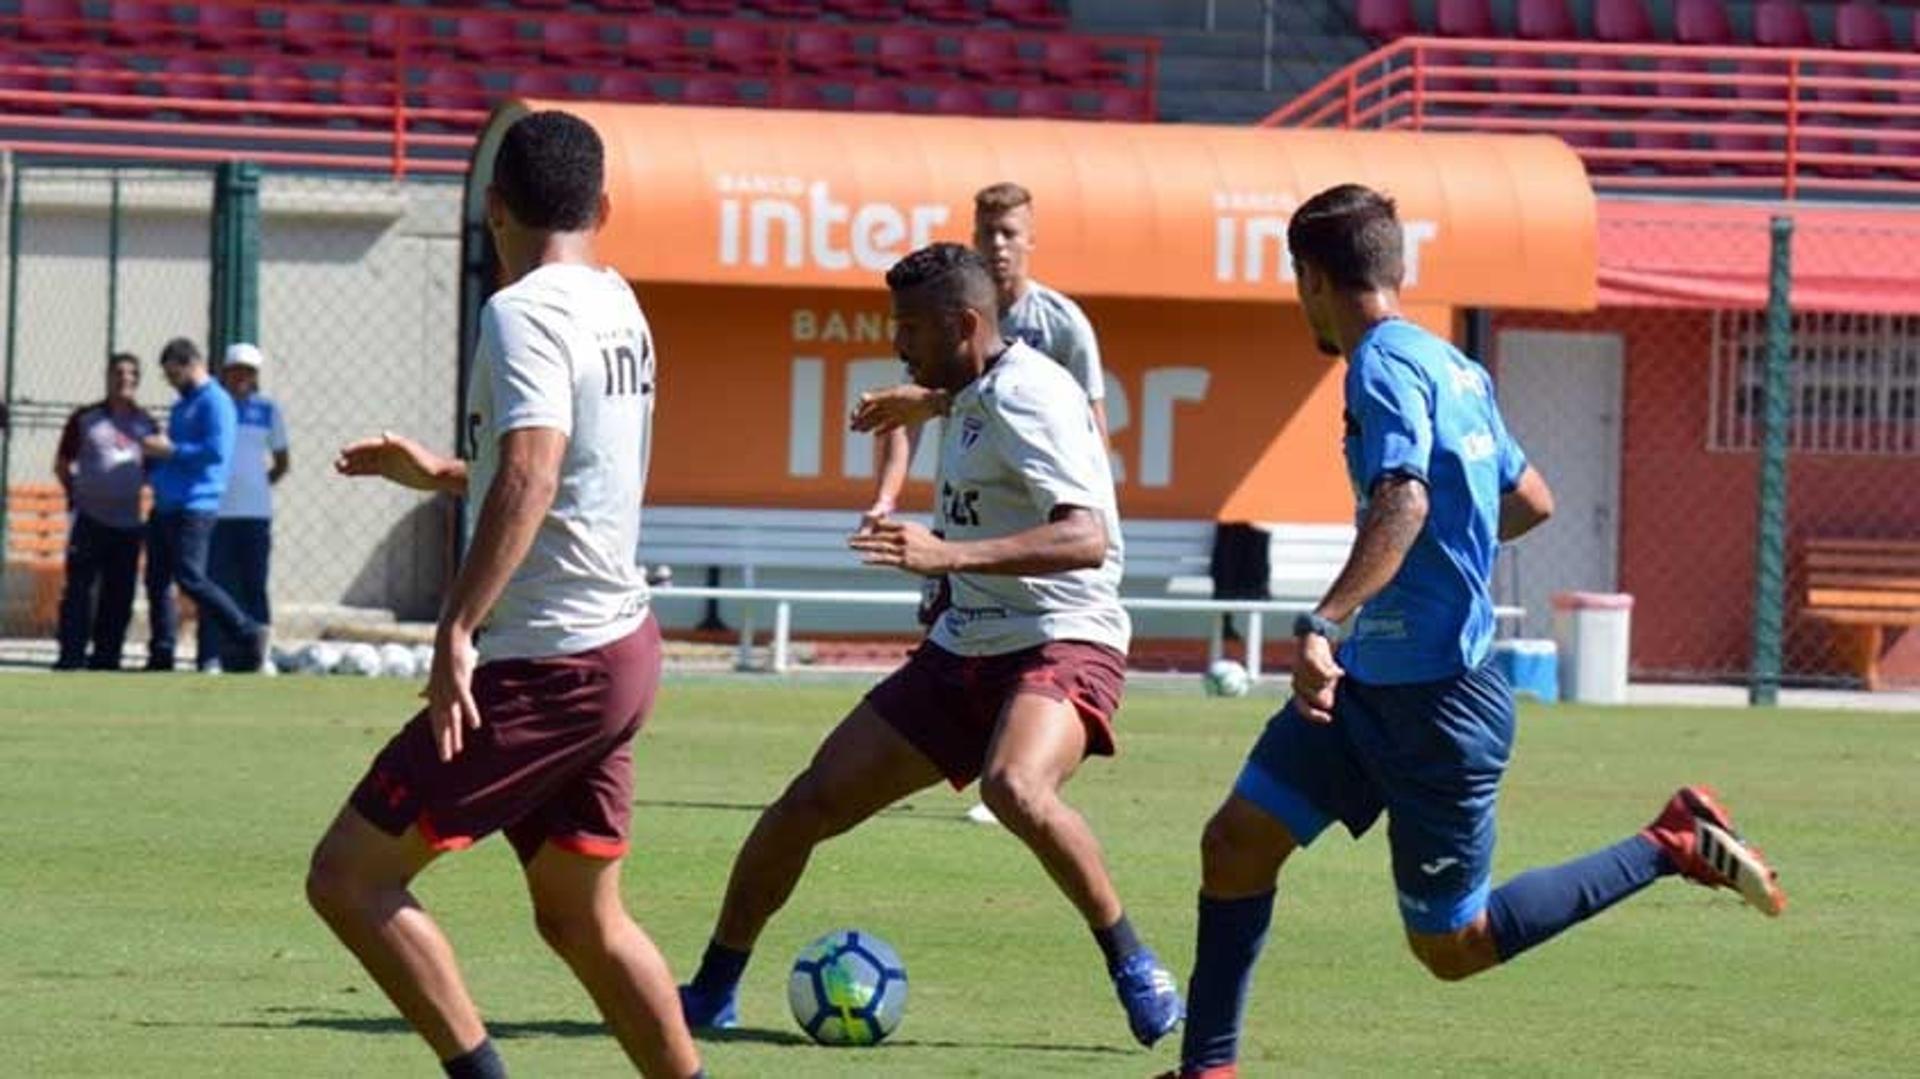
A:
(243, 535)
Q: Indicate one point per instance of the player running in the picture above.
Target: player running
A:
(1408, 718)
(536, 739)
(1018, 680)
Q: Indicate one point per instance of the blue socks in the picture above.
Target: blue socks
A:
(720, 969)
(1231, 934)
(481, 1062)
(1541, 903)
(1117, 942)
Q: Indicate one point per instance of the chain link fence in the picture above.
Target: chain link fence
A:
(357, 304)
(1649, 419)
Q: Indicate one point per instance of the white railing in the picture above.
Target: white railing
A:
(784, 599)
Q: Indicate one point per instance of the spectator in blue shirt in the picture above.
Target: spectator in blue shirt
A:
(190, 465)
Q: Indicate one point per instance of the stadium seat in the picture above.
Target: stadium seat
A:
(1701, 22)
(311, 30)
(866, 10)
(485, 37)
(225, 26)
(625, 7)
(626, 86)
(96, 73)
(994, 57)
(954, 12)
(1464, 18)
(1544, 20)
(453, 88)
(576, 41)
(365, 86)
(907, 54)
(1385, 20)
(660, 46)
(543, 5)
(191, 78)
(25, 76)
(51, 20)
(389, 31)
(1621, 21)
(796, 94)
(1028, 14)
(708, 9)
(136, 22)
(1130, 106)
(1043, 101)
(1782, 24)
(276, 82)
(542, 82)
(961, 100)
(880, 97)
(709, 90)
(823, 50)
(786, 9)
(1862, 26)
(742, 48)
(1076, 61)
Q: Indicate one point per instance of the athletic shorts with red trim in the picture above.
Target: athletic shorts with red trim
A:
(949, 705)
(552, 760)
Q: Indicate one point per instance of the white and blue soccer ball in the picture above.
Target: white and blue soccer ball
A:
(422, 659)
(396, 661)
(848, 988)
(1227, 678)
(359, 658)
(319, 657)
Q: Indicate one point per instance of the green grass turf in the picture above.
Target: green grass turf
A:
(154, 832)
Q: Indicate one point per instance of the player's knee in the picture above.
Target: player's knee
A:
(1221, 843)
(1448, 959)
(332, 890)
(1018, 798)
(567, 930)
(810, 807)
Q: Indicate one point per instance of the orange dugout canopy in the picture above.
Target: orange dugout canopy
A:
(758, 241)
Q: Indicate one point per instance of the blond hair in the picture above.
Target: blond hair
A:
(999, 198)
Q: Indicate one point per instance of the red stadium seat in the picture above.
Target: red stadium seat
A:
(390, 31)
(961, 101)
(136, 22)
(454, 88)
(1544, 20)
(225, 26)
(823, 50)
(994, 57)
(709, 90)
(709, 9)
(52, 20)
(96, 73)
(1076, 61)
(576, 41)
(1863, 26)
(1043, 101)
(311, 30)
(486, 37)
(955, 12)
(1384, 20)
(1701, 22)
(786, 9)
(880, 97)
(1030, 14)
(742, 48)
(542, 82)
(794, 94)
(1782, 24)
(276, 82)
(365, 86)
(26, 76)
(1621, 21)
(1464, 18)
(626, 86)
(660, 46)
(866, 10)
(194, 78)
(1130, 106)
(625, 7)
(907, 54)
(548, 5)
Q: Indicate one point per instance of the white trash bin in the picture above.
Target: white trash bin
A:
(1593, 630)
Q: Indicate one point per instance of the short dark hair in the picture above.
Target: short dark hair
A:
(179, 350)
(1352, 234)
(119, 358)
(550, 171)
(953, 276)
(1000, 198)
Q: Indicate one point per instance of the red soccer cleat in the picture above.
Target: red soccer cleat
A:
(1697, 833)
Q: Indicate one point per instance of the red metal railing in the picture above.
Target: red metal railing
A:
(1651, 117)
(224, 115)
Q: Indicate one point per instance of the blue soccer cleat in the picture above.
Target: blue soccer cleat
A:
(1148, 993)
(718, 1010)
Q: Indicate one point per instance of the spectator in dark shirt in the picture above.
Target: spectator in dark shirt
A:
(101, 466)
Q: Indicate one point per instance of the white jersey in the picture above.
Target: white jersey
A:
(1049, 321)
(1017, 443)
(566, 347)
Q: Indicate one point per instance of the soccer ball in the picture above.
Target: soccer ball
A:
(359, 658)
(848, 988)
(422, 659)
(1227, 678)
(320, 657)
(396, 661)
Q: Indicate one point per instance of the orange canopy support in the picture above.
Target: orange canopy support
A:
(795, 198)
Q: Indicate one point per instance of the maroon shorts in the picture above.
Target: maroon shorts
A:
(551, 762)
(948, 705)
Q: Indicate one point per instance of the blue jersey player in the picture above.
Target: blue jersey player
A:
(1406, 716)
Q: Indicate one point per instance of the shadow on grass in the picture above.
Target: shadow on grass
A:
(904, 809)
(347, 1023)
(766, 1036)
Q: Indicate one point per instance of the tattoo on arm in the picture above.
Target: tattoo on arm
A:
(1396, 513)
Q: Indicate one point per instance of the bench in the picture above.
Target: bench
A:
(1860, 589)
(35, 558)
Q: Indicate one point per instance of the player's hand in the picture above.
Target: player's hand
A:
(879, 511)
(903, 545)
(395, 457)
(1315, 675)
(449, 693)
(881, 411)
(157, 445)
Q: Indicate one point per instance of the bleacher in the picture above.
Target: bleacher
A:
(304, 78)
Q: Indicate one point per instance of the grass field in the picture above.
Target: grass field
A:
(154, 833)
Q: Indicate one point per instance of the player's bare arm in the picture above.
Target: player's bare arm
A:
(521, 493)
(403, 461)
(1074, 537)
(1396, 513)
(908, 405)
(1100, 421)
(1526, 507)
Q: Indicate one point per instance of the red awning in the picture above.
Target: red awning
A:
(1699, 254)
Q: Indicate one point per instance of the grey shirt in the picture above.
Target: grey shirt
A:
(1050, 322)
(109, 467)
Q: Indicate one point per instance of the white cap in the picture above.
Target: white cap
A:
(245, 355)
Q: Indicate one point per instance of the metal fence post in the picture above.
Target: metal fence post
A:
(10, 176)
(235, 293)
(1769, 577)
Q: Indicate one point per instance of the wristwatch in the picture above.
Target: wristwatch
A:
(1309, 622)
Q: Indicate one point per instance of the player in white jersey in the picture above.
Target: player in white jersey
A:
(547, 657)
(1018, 681)
(1029, 311)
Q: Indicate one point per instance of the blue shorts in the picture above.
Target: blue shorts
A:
(1430, 754)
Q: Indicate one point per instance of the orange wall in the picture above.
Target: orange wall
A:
(1688, 517)
(1222, 401)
